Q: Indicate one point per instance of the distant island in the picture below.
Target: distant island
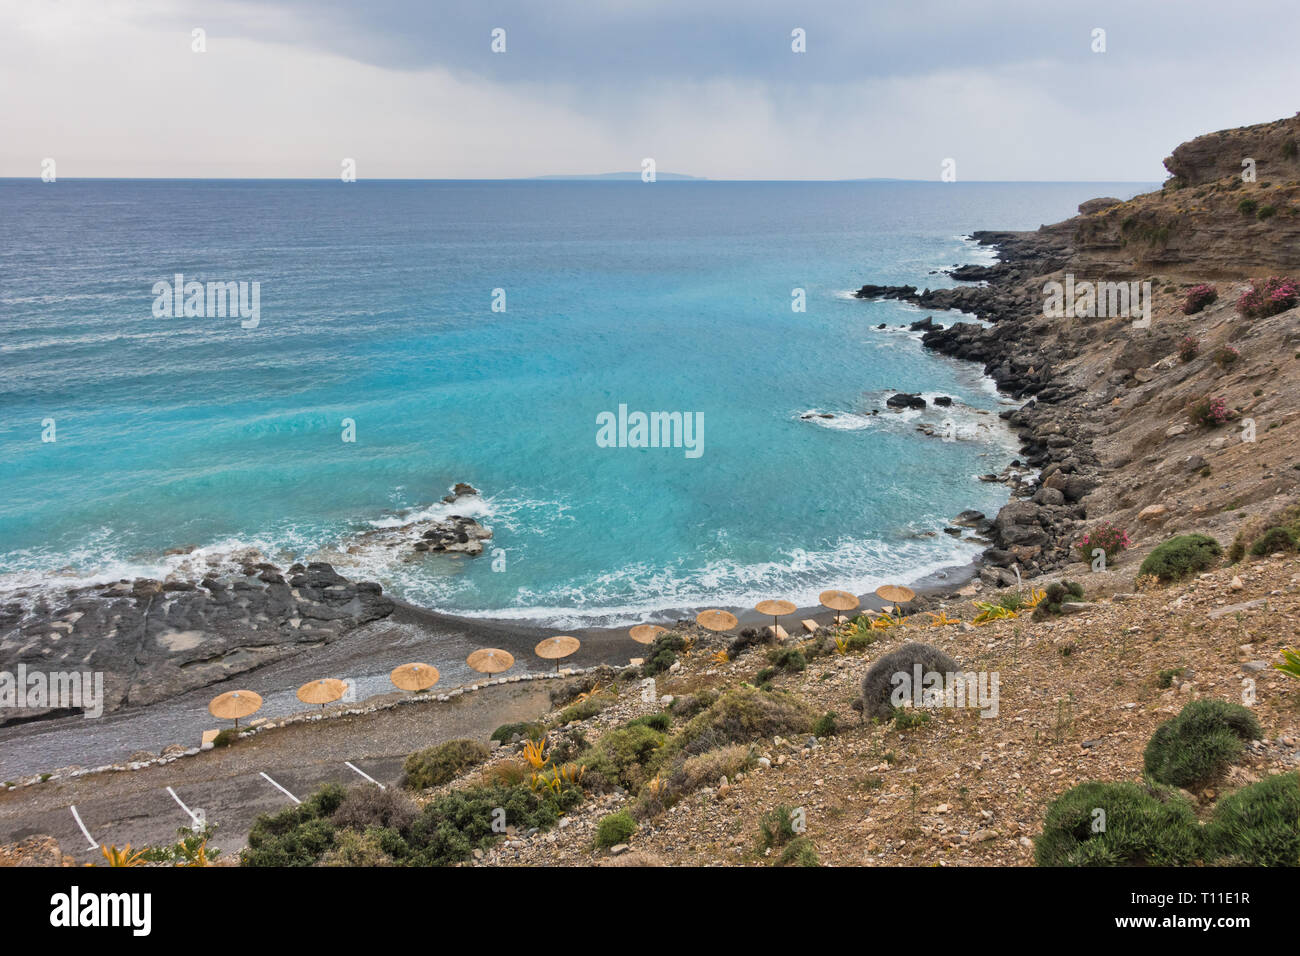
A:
(633, 175)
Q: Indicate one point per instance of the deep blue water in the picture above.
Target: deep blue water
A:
(376, 305)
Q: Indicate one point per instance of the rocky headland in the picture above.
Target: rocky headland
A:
(1108, 418)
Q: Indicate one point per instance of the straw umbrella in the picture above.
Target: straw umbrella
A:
(776, 609)
(895, 594)
(646, 633)
(838, 601)
(235, 704)
(716, 620)
(555, 648)
(414, 677)
(323, 691)
(490, 660)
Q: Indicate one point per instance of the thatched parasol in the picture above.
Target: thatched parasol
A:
(554, 648)
(646, 633)
(895, 593)
(490, 660)
(234, 704)
(414, 676)
(323, 691)
(838, 601)
(776, 609)
(716, 620)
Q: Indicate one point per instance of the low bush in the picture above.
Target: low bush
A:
(1118, 824)
(1276, 538)
(663, 653)
(660, 721)
(1198, 297)
(1259, 825)
(1196, 747)
(825, 725)
(799, 852)
(441, 764)
(1179, 557)
(1110, 537)
(1055, 594)
(749, 637)
(878, 685)
(584, 709)
(526, 731)
(1209, 412)
(368, 806)
(1268, 297)
(1287, 517)
(908, 718)
(777, 827)
(788, 659)
(1189, 348)
(622, 758)
(614, 829)
(741, 715)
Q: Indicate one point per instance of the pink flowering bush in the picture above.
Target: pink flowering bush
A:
(1111, 538)
(1210, 412)
(1198, 297)
(1269, 297)
(1189, 348)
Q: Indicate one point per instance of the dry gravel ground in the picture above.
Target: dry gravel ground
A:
(1080, 696)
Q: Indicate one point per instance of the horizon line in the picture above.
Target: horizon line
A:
(579, 178)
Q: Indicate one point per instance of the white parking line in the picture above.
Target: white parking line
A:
(193, 816)
(77, 816)
(366, 775)
(281, 789)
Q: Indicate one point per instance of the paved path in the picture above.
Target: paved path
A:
(232, 786)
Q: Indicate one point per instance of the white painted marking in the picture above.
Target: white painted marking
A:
(366, 775)
(77, 816)
(281, 789)
(193, 815)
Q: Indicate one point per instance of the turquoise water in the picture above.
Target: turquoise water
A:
(376, 306)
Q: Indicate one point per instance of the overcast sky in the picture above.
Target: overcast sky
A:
(411, 88)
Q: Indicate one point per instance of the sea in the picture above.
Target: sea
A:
(410, 335)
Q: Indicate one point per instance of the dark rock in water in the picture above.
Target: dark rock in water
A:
(905, 400)
(943, 401)
(153, 640)
(924, 325)
(881, 326)
(461, 490)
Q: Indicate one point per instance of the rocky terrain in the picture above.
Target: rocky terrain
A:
(213, 617)
(1107, 402)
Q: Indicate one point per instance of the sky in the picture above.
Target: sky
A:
(1013, 90)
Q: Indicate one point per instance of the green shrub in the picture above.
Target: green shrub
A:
(1266, 212)
(1247, 207)
(799, 852)
(358, 849)
(663, 653)
(744, 714)
(225, 737)
(788, 659)
(776, 827)
(765, 676)
(441, 764)
(689, 705)
(1274, 539)
(614, 829)
(526, 731)
(825, 726)
(660, 721)
(456, 823)
(1194, 748)
(624, 757)
(1178, 557)
(907, 718)
(1056, 594)
(298, 836)
(1259, 825)
(368, 806)
(584, 709)
(1136, 826)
